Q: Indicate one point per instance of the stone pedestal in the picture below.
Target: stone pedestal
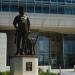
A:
(24, 65)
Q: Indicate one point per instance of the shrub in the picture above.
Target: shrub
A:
(4, 73)
(41, 72)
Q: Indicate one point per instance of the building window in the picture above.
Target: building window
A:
(30, 1)
(53, 9)
(73, 1)
(5, 7)
(60, 0)
(60, 10)
(13, 8)
(45, 9)
(68, 10)
(38, 0)
(42, 48)
(69, 51)
(68, 1)
(46, 0)
(28, 66)
(73, 11)
(0, 7)
(53, 0)
(38, 9)
(30, 8)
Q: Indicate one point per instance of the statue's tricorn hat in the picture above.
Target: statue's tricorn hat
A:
(21, 9)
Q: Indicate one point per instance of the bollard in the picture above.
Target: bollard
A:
(74, 67)
(49, 68)
(59, 70)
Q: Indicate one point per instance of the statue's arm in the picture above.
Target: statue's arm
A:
(28, 22)
(15, 22)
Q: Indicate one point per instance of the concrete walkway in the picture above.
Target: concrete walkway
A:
(68, 73)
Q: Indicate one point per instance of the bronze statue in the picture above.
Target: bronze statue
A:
(22, 25)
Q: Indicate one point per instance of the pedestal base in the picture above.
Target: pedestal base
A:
(24, 65)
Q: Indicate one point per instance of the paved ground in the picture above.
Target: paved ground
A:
(68, 73)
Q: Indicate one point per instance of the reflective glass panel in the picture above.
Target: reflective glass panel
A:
(30, 0)
(46, 9)
(53, 9)
(38, 0)
(61, 0)
(73, 10)
(60, 10)
(46, 0)
(73, 1)
(30, 8)
(53, 0)
(14, 8)
(67, 10)
(0, 6)
(38, 9)
(42, 48)
(69, 51)
(69, 1)
(5, 7)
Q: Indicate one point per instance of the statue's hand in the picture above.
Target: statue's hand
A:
(29, 31)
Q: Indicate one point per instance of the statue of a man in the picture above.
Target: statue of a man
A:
(22, 24)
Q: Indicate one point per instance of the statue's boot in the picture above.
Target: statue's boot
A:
(22, 52)
(28, 52)
(18, 52)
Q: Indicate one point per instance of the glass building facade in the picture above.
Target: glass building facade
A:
(39, 6)
(51, 48)
(69, 51)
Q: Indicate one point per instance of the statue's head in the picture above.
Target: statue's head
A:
(21, 10)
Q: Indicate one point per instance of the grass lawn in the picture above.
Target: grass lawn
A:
(40, 72)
